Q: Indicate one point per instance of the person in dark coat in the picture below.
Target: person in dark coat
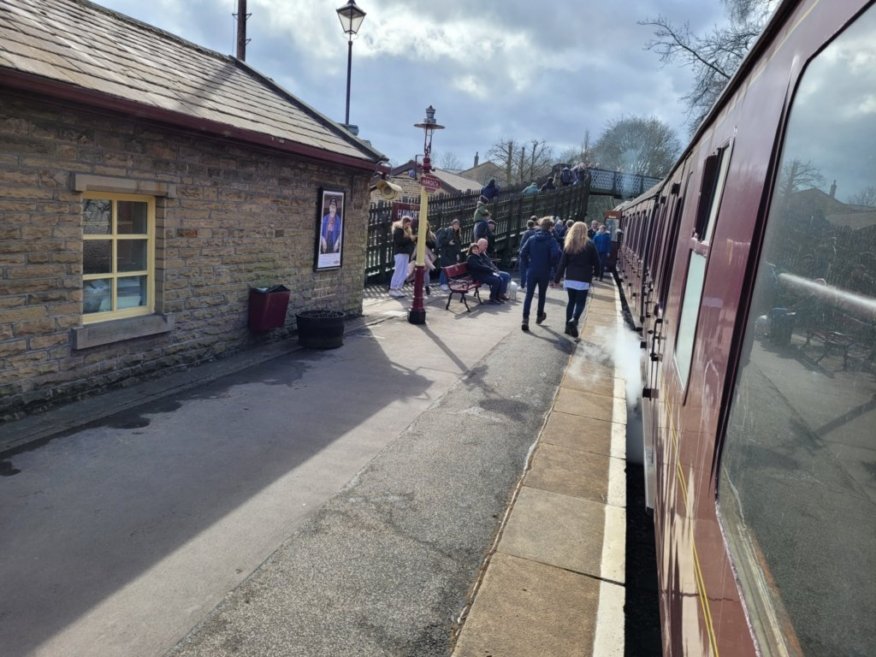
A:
(531, 229)
(449, 243)
(548, 185)
(578, 263)
(602, 242)
(538, 256)
(480, 270)
(490, 190)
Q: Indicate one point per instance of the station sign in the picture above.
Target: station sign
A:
(431, 183)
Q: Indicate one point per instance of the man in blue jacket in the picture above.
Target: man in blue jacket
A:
(602, 242)
(538, 256)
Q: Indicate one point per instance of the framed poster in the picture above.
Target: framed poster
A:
(329, 230)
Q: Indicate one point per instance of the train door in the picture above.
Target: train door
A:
(654, 334)
(654, 221)
(681, 402)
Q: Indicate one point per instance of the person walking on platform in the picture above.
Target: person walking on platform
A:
(531, 229)
(402, 248)
(578, 262)
(538, 257)
(449, 242)
(602, 241)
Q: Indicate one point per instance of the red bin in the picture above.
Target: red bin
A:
(267, 307)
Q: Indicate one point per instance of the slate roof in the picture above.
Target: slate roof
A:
(484, 171)
(456, 182)
(78, 50)
(450, 182)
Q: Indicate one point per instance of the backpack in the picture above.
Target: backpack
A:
(480, 229)
(443, 237)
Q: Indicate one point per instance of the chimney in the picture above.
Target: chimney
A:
(476, 158)
(833, 190)
(241, 30)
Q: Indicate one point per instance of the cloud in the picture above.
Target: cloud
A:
(510, 69)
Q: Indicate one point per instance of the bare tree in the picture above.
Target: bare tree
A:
(866, 196)
(713, 57)
(797, 175)
(521, 161)
(644, 146)
(502, 155)
(450, 162)
(583, 153)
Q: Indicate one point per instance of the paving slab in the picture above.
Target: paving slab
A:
(574, 432)
(528, 609)
(569, 472)
(557, 530)
(585, 404)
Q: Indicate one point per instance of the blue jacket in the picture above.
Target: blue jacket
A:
(490, 190)
(539, 255)
(602, 241)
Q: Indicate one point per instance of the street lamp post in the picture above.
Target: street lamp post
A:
(428, 183)
(351, 18)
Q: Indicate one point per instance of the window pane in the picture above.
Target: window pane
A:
(96, 296)
(132, 217)
(132, 292)
(797, 487)
(131, 255)
(97, 257)
(97, 216)
(690, 311)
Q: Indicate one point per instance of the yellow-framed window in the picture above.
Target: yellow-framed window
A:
(118, 256)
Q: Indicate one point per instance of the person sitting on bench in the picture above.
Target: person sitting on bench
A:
(481, 268)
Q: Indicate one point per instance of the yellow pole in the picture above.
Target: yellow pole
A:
(417, 314)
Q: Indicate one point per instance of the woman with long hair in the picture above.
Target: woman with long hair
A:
(579, 262)
(402, 248)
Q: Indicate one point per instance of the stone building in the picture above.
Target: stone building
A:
(146, 184)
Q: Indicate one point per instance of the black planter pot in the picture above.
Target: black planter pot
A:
(320, 329)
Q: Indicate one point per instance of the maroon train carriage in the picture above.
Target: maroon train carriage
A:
(752, 273)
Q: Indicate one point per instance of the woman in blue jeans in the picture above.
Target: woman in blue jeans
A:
(579, 262)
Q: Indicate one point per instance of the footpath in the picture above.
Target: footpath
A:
(552, 584)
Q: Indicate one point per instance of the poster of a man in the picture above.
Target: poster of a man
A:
(331, 230)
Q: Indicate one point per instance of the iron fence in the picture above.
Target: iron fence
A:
(618, 184)
(510, 210)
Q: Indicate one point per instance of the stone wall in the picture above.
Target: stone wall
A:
(236, 216)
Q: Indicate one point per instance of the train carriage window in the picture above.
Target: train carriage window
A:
(797, 477)
(712, 186)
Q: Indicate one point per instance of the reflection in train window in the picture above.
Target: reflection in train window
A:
(797, 487)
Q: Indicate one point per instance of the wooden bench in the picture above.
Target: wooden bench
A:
(839, 332)
(459, 282)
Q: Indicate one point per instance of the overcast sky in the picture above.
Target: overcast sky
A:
(493, 69)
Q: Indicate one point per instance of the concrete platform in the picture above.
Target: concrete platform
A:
(554, 584)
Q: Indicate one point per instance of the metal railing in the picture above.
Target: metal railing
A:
(510, 210)
(619, 184)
